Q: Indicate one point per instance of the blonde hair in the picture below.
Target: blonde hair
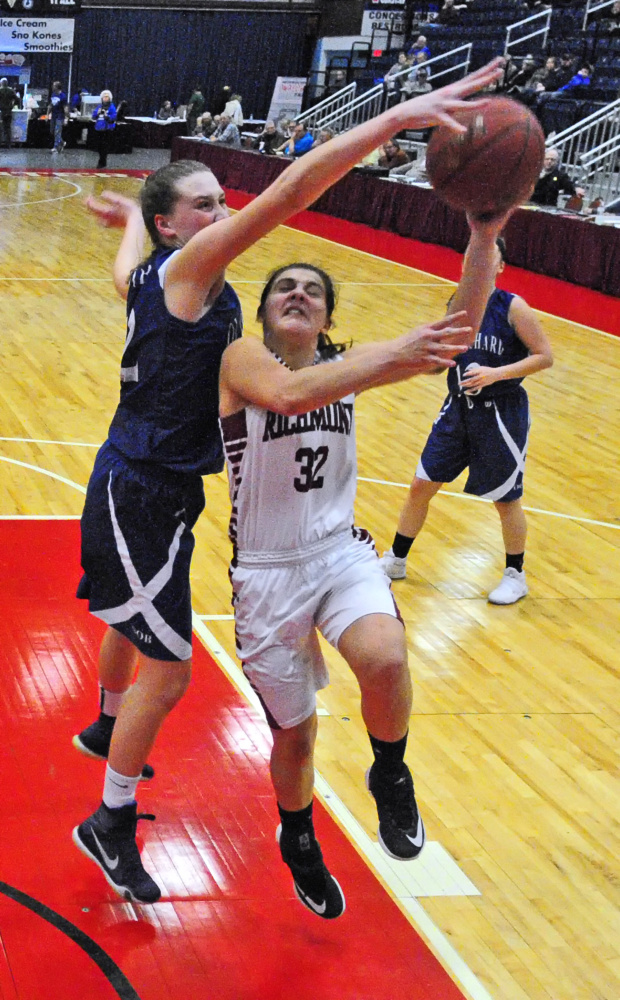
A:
(105, 93)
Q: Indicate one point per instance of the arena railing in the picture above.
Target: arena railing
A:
(543, 15)
(328, 105)
(591, 7)
(599, 171)
(588, 134)
(375, 100)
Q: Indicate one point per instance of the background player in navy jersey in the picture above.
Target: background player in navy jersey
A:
(484, 425)
(300, 566)
(145, 493)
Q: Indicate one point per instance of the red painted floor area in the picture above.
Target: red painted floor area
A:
(228, 926)
(561, 298)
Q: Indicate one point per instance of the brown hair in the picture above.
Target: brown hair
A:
(159, 194)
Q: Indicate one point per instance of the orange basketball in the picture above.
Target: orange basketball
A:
(494, 164)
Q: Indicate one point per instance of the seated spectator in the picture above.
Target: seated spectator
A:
(415, 171)
(581, 79)
(165, 112)
(609, 18)
(227, 133)
(545, 78)
(565, 71)
(419, 47)
(324, 136)
(416, 83)
(299, 143)
(392, 155)
(336, 80)
(521, 79)
(449, 13)
(393, 85)
(269, 139)
(234, 110)
(553, 181)
(206, 125)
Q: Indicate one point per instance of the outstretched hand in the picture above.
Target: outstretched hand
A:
(438, 107)
(432, 347)
(112, 210)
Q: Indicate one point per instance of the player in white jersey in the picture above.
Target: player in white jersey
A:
(300, 565)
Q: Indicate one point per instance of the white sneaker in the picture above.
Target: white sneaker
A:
(395, 568)
(511, 588)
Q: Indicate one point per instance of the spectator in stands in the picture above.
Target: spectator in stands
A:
(269, 140)
(416, 83)
(208, 124)
(104, 117)
(234, 110)
(394, 85)
(609, 18)
(324, 136)
(581, 79)
(195, 108)
(521, 79)
(227, 133)
(553, 181)
(165, 112)
(8, 101)
(299, 143)
(392, 155)
(545, 78)
(336, 80)
(449, 13)
(418, 48)
(57, 111)
(565, 70)
(415, 171)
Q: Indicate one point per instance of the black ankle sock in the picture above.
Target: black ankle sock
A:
(401, 545)
(388, 756)
(515, 562)
(296, 821)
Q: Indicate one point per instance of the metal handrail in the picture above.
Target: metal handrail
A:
(590, 8)
(353, 113)
(345, 95)
(526, 20)
(600, 170)
(601, 114)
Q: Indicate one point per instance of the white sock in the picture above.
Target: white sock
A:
(118, 789)
(110, 701)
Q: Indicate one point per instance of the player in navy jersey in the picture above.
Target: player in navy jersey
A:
(145, 493)
(483, 425)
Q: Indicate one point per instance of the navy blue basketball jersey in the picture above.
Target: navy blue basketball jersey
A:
(168, 410)
(496, 344)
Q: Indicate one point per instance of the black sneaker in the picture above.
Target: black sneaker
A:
(108, 838)
(94, 741)
(316, 888)
(401, 830)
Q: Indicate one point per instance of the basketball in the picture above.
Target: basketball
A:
(492, 166)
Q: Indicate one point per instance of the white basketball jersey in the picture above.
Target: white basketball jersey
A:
(292, 480)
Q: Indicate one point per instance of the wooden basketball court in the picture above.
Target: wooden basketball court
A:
(514, 740)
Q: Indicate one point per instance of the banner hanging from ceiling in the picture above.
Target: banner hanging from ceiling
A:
(36, 34)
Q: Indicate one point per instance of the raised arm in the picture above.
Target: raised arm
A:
(115, 211)
(208, 253)
(251, 374)
(479, 270)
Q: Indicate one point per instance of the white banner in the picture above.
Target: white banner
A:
(383, 20)
(287, 97)
(36, 34)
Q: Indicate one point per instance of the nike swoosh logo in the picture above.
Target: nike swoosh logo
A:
(112, 863)
(418, 840)
(314, 906)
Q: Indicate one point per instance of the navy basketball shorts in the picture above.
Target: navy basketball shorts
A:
(137, 546)
(487, 435)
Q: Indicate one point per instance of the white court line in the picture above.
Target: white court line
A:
(360, 479)
(373, 854)
(216, 618)
(44, 472)
(41, 517)
(45, 201)
(470, 496)
(3, 278)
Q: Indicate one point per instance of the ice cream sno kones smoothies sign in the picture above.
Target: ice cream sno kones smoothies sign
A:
(36, 34)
